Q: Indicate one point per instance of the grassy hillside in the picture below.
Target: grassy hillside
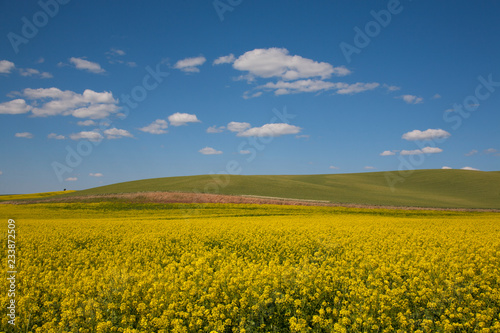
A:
(424, 188)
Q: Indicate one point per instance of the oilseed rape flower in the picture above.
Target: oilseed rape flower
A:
(138, 267)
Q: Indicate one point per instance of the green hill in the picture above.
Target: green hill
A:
(423, 188)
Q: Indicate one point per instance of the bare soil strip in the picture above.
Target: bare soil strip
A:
(201, 198)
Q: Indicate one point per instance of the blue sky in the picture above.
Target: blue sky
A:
(99, 92)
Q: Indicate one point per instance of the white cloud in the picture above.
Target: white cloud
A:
(491, 151)
(215, 129)
(116, 52)
(276, 62)
(16, 106)
(156, 127)
(25, 135)
(245, 152)
(357, 88)
(235, 126)
(89, 66)
(472, 152)
(34, 72)
(284, 88)
(425, 150)
(6, 66)
(56, 136)
(86, 123)
(210, 151)
(116, 133)
(446, 168)
(436, 96)
(93, 136)
(247, 94)
(470, 168)
(369, 168)
(391, 88)
(333, 167)
(178, 119)
(90, 104)
(411, 99)
(387, 153)
(312, 85)
(98, 174)
(429, 134)
(71, 179)
(276, 129)
(229, 59)
(190, 65)
(431, 150)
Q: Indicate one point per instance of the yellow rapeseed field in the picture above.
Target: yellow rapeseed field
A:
(131, 267)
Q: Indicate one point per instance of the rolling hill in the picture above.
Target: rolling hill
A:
(422, 188)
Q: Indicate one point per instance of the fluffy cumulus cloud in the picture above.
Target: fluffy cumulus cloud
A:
(277, 62)
(6, 66)
(229, 59)
(350, 89)
(391, 88)
(295, 74)
(53, 101)
(71, 179)
(190, 65)
(472, 152)
(215, 129)
(237, 127)
(86, 123)
(17, 106)
(116, 133)
(470, 168)
(210, 151)
(411, 99)
(89, 66)
(429, 134)
(24, 135)
(273, 130)
(156, 127)
(179, 119)
(387, 153)
(34, 72)
(56, 136)
(98, 174)
(425, 150)
(446, 168)
(93, 136)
